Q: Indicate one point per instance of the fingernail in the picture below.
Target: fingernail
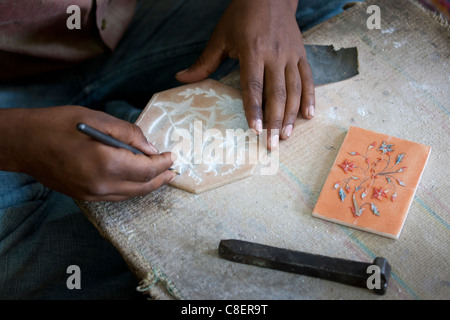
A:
(174, 177)
(155, 150)
(258, 125)
(274, 141)
(173, 157)
(182, 71)
(311, 111)
(288, 130)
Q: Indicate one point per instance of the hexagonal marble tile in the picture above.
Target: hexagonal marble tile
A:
(204, 125)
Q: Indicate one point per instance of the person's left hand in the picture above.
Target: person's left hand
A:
(265, 37)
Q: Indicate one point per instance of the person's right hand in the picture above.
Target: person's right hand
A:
(48, 147)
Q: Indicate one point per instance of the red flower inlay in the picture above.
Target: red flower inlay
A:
(347, 166)
(379, 193)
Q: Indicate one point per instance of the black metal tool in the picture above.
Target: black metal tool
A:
(349, 272)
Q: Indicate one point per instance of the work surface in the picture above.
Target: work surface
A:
(170, 237)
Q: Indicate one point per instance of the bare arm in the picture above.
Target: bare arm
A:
(45, 144)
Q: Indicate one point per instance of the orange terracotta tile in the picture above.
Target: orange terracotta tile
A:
(372, 182)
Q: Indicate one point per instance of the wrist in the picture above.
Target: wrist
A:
(13, 124)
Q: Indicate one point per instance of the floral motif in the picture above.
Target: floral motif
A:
(379, 193)
(399, 158)
(182, 115)
(384, 148)
(347, 166)
(366, 176)
(394, 196)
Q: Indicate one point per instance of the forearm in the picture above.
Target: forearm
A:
(294, 4)
(12, 133)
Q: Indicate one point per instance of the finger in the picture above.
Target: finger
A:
(139, 168)
(162, 179)
(137, 139)
(206, 64)
(132, 188)
(130, 134)
(294, 91)
(252, 84)
(275, 90)
(307, 105)
(123, 190)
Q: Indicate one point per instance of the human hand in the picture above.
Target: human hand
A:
(265, 37)
(63, 159)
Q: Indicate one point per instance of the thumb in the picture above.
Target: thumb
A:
(132, 134)
(206, 64)
(139, 141)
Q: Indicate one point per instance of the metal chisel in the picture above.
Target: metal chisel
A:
(349, 272)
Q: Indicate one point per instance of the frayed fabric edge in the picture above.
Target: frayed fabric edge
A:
(148, 285)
